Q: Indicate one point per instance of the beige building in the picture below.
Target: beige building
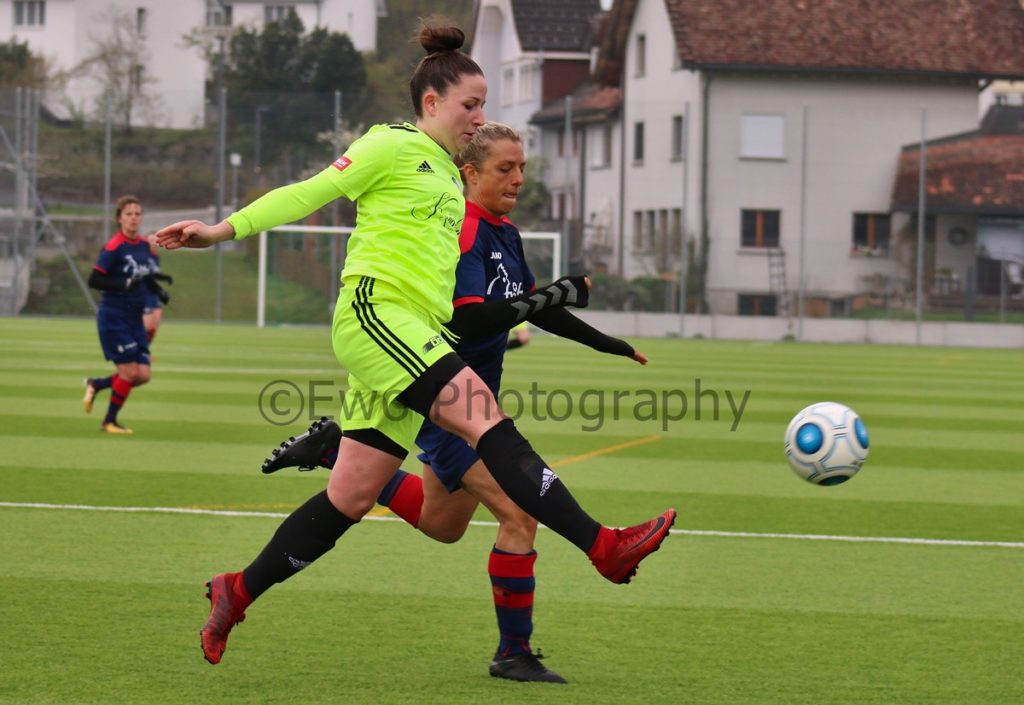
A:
(770, 133)
(66, 32)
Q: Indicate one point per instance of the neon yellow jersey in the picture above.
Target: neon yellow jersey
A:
(410, 207)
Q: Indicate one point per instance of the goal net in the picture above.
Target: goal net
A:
(299, 268)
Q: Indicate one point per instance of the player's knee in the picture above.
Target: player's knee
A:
(352, 504)
(444, 534)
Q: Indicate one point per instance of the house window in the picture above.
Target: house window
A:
(141, 15)
(528, 83)
(761, 137)
(638, 143)
(562, 205)
(136, 78)
(760, 228)
(30, 13)
(675, 231)
(661, 235)
(276, 13)
(641, 54)
(870, 233)
(602, 146)
(677, 138)
(218, 13)
(508, 79)
(756, 304)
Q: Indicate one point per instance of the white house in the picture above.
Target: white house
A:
(65, 32)
(533, 52)
(770, 134)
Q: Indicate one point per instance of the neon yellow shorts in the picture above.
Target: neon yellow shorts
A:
(385, 344)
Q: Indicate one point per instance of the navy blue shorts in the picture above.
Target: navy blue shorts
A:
(152, 303)
(448, 455)
(122, 336)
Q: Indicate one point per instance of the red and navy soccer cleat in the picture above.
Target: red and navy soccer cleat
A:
(617, 552)
(228, 600)
(317, 447)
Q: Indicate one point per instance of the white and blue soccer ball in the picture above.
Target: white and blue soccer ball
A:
(826, 443)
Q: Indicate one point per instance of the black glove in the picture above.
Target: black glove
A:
(156, 289)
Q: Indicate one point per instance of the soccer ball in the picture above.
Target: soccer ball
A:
(826, 443)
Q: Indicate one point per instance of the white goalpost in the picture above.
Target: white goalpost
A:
(543, 254)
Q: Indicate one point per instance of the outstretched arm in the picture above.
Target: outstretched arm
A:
(491, 317)
(282, 205)
(562, 323)
(193, 233)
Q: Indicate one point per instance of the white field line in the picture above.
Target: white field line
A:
(682, 532)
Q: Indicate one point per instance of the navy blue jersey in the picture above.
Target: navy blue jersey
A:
(124, 257)
(492, 267)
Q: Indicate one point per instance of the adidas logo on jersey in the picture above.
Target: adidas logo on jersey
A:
(424, 168)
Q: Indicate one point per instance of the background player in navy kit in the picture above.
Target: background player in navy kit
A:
(124, 275)
(493, 268)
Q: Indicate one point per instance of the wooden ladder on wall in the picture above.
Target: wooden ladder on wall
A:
(777, 280)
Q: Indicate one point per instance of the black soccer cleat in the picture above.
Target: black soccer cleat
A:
(525, 667)
(313, 449)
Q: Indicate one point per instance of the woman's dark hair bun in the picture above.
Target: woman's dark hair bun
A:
(436, 39)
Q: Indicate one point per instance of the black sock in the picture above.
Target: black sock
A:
(308, 533)
(531, 484)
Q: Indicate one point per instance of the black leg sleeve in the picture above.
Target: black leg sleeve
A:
(531, 484)
(308, 533)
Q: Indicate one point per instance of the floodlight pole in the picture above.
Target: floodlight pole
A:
(920, 224)
(218, 205)
(801, 271)
(566, 153)
(236, 161)
(684, 252)
(107, 139)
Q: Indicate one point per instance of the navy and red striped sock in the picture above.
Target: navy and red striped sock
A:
(120, 388)
(404, 496)
(101, 383)
(512, 584)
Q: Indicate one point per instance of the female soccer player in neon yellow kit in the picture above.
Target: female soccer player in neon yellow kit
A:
(396, 296)
(440, 503)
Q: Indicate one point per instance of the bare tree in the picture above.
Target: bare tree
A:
(118, 62)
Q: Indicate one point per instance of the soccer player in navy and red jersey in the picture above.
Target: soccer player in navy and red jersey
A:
(122, 273)
(492, 270)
